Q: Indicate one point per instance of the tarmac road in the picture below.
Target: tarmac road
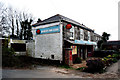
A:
(40, 72)
(55, 72)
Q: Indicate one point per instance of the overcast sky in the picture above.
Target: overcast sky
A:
(100, 15)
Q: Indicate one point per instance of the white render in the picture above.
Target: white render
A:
(48, 44)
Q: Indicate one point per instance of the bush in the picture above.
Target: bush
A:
(115, 55)
(107, 61)
(94, 66)
(7, 51)
(114, 60)
(8, 57)
(10, 60)
(109, 56)
(77, 60)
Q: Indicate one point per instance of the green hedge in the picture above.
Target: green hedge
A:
(8, 57)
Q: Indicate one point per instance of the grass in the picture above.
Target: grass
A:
(66, 67)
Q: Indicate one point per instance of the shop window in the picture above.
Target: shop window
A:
(74, 50)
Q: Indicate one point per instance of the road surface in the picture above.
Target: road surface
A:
(55, 72)
(40, 72)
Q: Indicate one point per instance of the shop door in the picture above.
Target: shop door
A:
(83, 52)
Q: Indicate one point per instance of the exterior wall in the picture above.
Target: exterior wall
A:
(85, 40)
(48, 45)
(30, 48)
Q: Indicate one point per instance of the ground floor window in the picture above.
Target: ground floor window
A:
(74, 50)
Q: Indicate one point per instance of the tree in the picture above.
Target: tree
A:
(3, 20)
(105, 37)
(15, 23)
(26, 30)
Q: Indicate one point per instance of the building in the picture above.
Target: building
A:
(21, 47)
(54, 35)
(112, 45)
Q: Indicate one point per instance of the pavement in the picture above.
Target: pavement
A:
(113, 68)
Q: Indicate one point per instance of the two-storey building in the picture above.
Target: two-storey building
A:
(53, 35)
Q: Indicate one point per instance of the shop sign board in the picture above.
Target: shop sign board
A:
(53, 29)
(85, 42)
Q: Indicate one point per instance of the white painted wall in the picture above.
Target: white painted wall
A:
(48, 44)
(30, 48)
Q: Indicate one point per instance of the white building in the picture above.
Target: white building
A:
(56, 33)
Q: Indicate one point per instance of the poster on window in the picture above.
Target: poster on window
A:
(74, 50)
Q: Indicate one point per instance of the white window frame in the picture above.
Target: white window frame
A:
(72, 31)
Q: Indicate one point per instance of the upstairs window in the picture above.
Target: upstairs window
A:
(68, 31)
(85, 35)
(77, 33)
(81, 34)
(88, 35)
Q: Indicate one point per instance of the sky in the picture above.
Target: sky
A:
(100, 15)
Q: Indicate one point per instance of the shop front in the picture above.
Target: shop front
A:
(82, 51)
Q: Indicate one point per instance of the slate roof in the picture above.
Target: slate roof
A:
(57, 18)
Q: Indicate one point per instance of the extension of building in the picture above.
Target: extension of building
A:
(58, 34)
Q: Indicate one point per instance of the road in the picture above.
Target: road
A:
(55, 72)
(40, 72)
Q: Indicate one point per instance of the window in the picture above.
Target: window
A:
(81, 34)
(77, 33)
(92, 36)
(88, 35)
(71, 33)
(85, 35)
(74, 49)
(68, 33)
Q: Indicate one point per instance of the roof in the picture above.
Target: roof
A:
(97, 35)
(57, 18)
(112, 43)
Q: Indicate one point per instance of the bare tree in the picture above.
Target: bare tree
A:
(14, 22)
(3, 20)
